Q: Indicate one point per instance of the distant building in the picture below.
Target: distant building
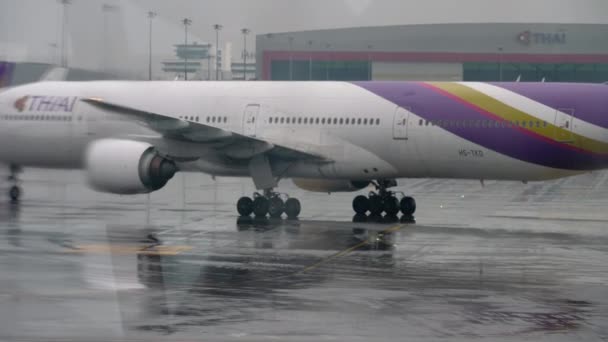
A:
(201, 62)
(189, 59)
(447, 52)
(238, 68)
(238, 71)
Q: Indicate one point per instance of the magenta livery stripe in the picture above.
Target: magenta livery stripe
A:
(433, 105)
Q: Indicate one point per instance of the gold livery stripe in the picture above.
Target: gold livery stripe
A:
(510, 114)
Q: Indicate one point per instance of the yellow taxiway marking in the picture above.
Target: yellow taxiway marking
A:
(393, 229)
(130, 249)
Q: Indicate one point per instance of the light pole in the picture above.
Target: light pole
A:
(187, 22)
(290, 58)
(217, 28)
(245, 32)
(151, 16)
(64, 19)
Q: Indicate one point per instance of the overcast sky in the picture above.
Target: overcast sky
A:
(28, 28)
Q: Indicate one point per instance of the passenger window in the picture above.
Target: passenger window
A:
(299, 121)
(358, 121)
(282, 120)
(378, 122)
(341, 121)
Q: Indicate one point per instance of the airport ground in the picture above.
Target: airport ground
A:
(504, 262)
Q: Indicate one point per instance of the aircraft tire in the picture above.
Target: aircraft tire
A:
(375, 205)
(293, 208)
(407, 206)
(361, 205)
(244, 206)
(276, 207)
(391, 205)
(14, 193)
(260, 206)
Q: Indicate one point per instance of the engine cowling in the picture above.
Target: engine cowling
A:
(329, 185)
(126, 167)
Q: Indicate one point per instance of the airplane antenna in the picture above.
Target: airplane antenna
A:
(518, 78)
(543, 80)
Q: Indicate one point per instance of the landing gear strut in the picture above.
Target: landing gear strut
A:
(384, 201)
(269, 203)
(14, 192)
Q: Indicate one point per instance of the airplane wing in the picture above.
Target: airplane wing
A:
(233, 144)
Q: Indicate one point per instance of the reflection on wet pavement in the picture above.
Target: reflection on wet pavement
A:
(500, 263)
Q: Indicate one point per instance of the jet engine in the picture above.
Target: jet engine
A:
(126, 167)
(329, 185)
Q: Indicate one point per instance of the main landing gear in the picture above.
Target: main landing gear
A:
(14, 192)
(385, 201)
(270, 203)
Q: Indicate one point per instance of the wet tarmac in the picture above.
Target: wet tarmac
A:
(504, 262)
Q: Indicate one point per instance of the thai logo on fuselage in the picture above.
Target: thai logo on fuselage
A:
(46, 103)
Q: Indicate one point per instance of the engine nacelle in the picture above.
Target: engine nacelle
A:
(126, 167)
(329, 185)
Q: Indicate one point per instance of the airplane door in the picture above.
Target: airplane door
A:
(400, 124)
(564, 119)
(250, 120)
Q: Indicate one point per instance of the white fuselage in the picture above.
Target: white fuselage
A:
(364, 134)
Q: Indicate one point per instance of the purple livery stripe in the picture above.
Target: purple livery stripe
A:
(434, 104)
(589, 100)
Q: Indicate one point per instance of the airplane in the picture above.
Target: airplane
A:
(132, 137)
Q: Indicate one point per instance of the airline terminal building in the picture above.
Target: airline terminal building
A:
(447, 52)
